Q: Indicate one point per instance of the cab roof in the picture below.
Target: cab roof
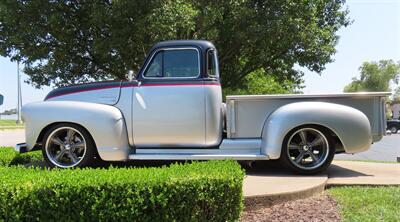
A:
(202, 44)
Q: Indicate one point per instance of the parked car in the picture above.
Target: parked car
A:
(173, 110)
(393, 125)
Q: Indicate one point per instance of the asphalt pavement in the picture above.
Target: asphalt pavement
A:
(388, 149)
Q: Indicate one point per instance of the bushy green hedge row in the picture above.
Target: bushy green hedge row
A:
(9, 157)
(6, 156)
(198, 191)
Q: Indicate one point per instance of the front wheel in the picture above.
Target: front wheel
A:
(68, 145)
(307, 150)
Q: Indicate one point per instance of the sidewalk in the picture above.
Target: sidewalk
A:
(264, 185)
(363, 173)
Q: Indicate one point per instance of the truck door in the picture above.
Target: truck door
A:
(169, 102)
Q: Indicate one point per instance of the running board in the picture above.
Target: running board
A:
(21, 148)
(197, 157)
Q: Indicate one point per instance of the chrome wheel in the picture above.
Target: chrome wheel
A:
(308, 148)
(65, 147)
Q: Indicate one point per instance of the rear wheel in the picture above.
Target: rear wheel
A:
(68, 145)
(307, 150)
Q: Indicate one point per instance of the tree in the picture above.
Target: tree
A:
(259, 83)
(63, 42)
(375, 76)
(396, 96)
(9, 112)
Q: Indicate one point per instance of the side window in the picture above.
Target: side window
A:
(155, 68)
(212, 63)
(176, 63)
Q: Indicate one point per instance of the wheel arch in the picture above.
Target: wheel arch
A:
(338, 144)
(350, 127)
(50, 125)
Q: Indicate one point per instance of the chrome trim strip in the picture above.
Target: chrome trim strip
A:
(205, 151)
(197, 157)
(170, 49)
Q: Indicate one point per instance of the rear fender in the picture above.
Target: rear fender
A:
(350, 125)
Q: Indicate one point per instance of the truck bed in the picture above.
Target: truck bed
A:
(246, 114)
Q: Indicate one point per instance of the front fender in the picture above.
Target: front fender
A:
(349, 124)
(105, 124)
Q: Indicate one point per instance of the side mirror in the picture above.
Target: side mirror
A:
(131, 75)
(1, 99)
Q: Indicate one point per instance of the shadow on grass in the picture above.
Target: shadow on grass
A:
(250, 167)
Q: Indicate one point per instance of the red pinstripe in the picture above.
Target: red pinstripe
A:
(144, 85)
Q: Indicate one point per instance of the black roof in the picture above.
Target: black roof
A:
(202, 44)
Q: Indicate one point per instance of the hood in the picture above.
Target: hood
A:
(97, 92)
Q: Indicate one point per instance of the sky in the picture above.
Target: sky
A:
(374, 35)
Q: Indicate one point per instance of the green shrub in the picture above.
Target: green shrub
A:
(8, 157)
(26, 158)
(198, 191)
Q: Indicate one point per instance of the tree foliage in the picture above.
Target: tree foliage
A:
(64, 42)
(375, 76)
(396, 96)
(259, 83)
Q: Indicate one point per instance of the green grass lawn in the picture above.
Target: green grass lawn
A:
(10, 124)
(368, 203)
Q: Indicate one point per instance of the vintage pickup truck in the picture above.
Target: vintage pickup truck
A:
(173, 110)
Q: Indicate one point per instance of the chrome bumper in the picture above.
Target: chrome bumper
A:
(21, 148)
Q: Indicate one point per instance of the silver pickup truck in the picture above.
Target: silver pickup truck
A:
(173, 110)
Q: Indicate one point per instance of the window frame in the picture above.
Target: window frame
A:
(214, 52)
(172, 49)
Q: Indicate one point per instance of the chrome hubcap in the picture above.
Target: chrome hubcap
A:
(308, 148)
(65, 147)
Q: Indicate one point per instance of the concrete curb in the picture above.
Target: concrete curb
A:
(257, 201)
(332, 185)
(341, 173)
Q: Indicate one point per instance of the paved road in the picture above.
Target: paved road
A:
(388, 149)
(11, 137)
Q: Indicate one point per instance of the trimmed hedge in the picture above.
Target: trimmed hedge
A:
(9, 157)
(6, 156)
(198, 191)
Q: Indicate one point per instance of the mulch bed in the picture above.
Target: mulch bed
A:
(320, 207)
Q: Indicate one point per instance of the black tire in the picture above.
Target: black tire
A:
(49, 148)
(393, 129)
(308, 168)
